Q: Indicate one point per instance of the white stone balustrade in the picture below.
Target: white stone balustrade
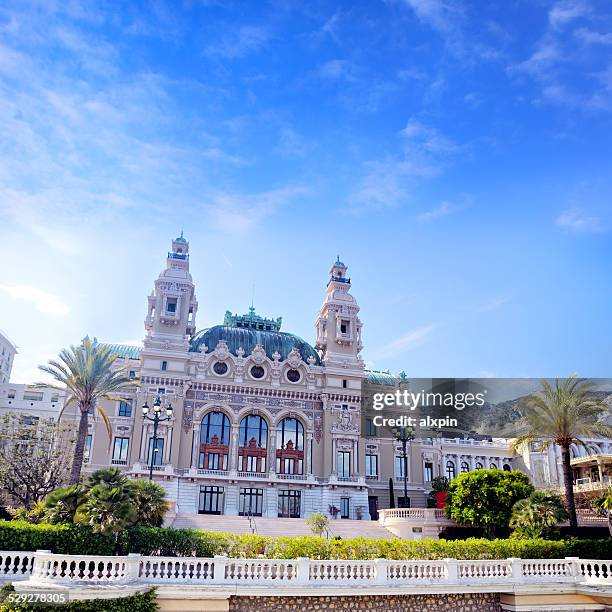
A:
(45, 568)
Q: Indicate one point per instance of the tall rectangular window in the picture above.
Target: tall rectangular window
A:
(157, 451)
(344, 464)
(120, 450)
(345, 507)
(428, 472)
(250, 502)
(289, 503)
(125, 409)
(399, 466)
(171, 305)
(87, 450)
(211, 500)
(370, 427)
(371, 466)
(164, 366)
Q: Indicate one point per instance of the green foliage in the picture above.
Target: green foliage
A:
(538, 515)
(439, 484)
(88, 375)
(140, 602)
(112, 476)
(107, 508)
(61, 505)
(77, 539)
(604, 502)
(318, 523)
(484, 498)
(65, 538)
(149, 499)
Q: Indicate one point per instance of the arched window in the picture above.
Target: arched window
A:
(507, 468)
(479, 466)
(451, 471)
(252, 444)
(214, 441)
(464, 467)
(290, 447)
(493, 466)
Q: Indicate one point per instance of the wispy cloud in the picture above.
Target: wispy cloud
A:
(237, 213)
(408, 341)
(493, 304)
(539, 63)
(579, 221)
(45, 302)
(592, 37)
(245, 39)
(428, 139)
(441, 15)
(566, 11)
(443, 210)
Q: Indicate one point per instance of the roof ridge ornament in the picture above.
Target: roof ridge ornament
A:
(252, 320)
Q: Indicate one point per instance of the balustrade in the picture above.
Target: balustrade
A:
(42, 567)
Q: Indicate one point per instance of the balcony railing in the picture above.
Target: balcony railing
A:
(43, 569)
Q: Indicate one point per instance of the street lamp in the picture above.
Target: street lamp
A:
(156, 419)
(404, 435)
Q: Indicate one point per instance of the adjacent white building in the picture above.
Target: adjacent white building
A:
(8, 350)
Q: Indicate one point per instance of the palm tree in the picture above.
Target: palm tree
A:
(62, 505)
(537, 515)
(564, 414)
(149, 499)
(87, 373)
(107, 509)
(605, 503)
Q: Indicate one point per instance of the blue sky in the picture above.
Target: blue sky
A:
(456, 156)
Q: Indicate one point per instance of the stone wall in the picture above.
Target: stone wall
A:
(468, 602)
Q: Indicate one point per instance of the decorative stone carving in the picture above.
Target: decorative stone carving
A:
(259, 354)
(187, 416)
(318, 427)
(240, 352)
(294, 359)
(203, 348)
(221, 350)
(345, 423)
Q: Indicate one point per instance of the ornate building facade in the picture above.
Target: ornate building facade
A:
(263, 422)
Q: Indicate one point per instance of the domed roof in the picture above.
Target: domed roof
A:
(236, 337)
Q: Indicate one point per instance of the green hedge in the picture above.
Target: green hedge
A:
(73, 539)
(140, 602)
(65, 538)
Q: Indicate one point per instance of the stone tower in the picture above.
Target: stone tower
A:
(172, 305)
(338, 325)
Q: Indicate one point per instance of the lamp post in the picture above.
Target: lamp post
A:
(404, 435)
(156, 419)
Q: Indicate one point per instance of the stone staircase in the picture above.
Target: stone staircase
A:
(280, 526)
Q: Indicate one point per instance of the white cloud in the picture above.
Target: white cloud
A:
(45, 302)
(428, 139)
(493, 304)
(593, 38)
(566, 11)
(443, 210)
(577, 220)
(407, 342)
(439, 14)
(541, 60)
(242, 41)
(238, 213)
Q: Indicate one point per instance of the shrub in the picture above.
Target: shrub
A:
(538, 515)
(318, 523)
(76, 539)
(140, 602)
(484, 498)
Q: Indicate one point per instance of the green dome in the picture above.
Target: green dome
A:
(272, 341)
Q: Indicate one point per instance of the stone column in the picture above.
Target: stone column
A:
(234, 447)
(308, 453)
(195, 454)
(472, 463)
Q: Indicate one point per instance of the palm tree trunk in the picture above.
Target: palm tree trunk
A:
(569, 485)
(79, 449)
